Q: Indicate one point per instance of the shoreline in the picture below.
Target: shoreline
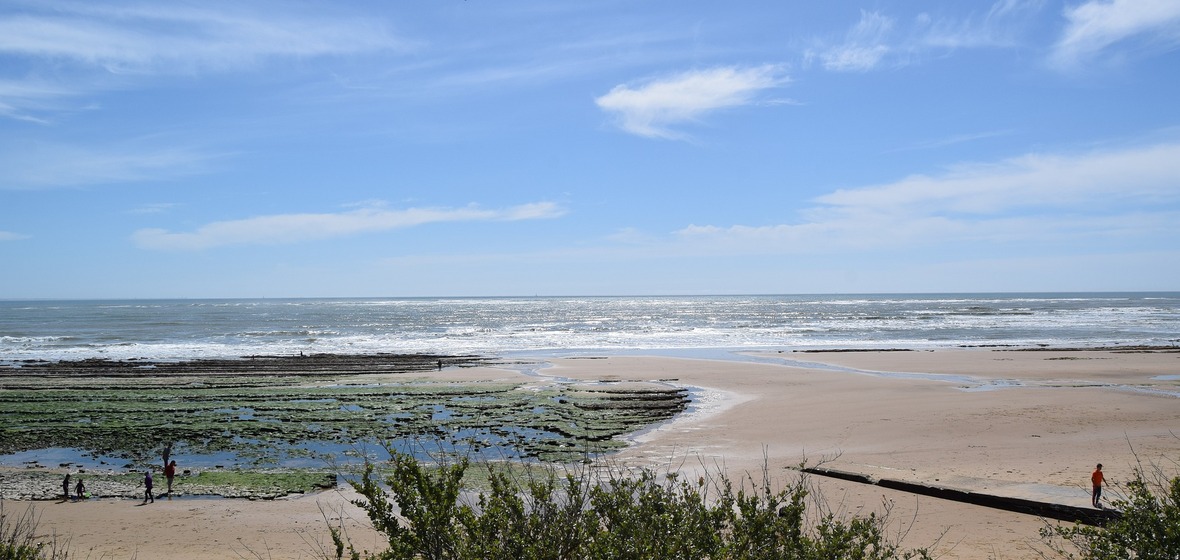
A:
(1037, 437)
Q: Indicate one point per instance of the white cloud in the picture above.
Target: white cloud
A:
(652, 109)
(878, 40)
(22, 100)
(1062, 181)
(864, 46)
(148, 38)
(1091, 28)
(99, 46)
(1037, 198)
(46, 166)
(1000, 26)
(1098, 25)
(293, 228)
(153, 208)
(854, 58)
(951, 140)
(10, 236)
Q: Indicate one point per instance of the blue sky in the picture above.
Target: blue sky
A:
(454, 148)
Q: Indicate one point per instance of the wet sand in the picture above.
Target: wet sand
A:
(1026, 423)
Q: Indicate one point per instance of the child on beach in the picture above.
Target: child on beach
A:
(80, 489)
(147, 483)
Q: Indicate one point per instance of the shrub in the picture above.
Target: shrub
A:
(601, 516)
(1148, 528)
(19, 541)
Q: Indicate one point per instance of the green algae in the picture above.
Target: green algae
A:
(261, 415)
(229, 483)
(254, 484)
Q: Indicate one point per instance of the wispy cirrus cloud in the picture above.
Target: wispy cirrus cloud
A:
(1098, 25)
(40, 165)
(171, 38)
(26, 100)
(654, 108)
(863, 48)
(98, 46)
(153, 208)
(951, 140)
(1092, 29)
(1035, 198)
(11, 236)
(1002, 25)
(294, 228)
(879, 40)
(1032, 180)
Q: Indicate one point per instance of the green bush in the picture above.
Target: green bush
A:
(1148, 528)
(603, 516)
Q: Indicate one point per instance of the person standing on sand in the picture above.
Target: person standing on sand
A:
(80, 489)
(65, 487)
(1097, 479)
(147, 483)
(169, 474)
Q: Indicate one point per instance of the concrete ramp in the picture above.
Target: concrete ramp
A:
(1032, 499)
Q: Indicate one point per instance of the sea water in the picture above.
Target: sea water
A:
(183, 329)
(689, 326)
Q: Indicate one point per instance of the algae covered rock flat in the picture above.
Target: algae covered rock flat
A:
(267, 412)
(259, 484)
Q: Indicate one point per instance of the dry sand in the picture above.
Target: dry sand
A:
(1028, 424)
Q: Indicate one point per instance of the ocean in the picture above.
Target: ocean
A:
(180, 329)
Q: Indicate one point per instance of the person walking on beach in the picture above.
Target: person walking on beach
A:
(65, 487)
(147, 483)
(1097, 479)
(169, 474)
(80, 489)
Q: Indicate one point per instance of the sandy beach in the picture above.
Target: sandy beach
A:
(1027, 423)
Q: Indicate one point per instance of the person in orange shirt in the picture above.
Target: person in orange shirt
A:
(170, 473)
(1097, 479)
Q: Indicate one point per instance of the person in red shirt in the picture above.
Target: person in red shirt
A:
(1097, 479)
(170, 473)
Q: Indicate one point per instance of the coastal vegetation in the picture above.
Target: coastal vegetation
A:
(1147, 529)
(613, 513)
(21, 540)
